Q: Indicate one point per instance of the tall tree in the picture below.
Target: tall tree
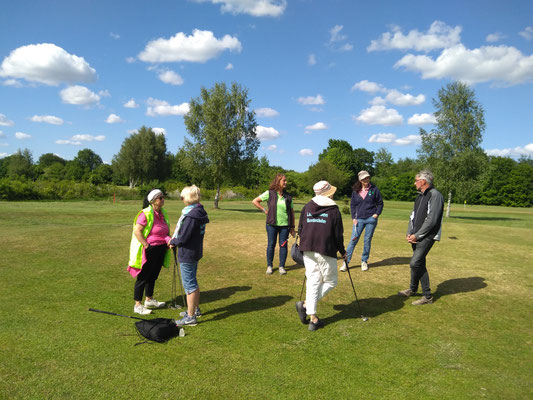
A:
(88, 159)
(142, 157)
(384, 162)
(452, 149)
(21, 164)
(222, 128)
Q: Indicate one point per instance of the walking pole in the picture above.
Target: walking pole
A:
(356, 299)
(176, 266)
(303, 285)
(174, 289)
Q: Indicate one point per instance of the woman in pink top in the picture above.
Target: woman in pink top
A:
(155, 247)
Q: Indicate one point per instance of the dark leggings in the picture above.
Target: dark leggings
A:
(150, 272)
(419, 272)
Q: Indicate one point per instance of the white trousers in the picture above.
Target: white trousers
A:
(321, 274)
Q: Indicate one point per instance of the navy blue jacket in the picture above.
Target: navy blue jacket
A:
(370, 205)
(190, 240)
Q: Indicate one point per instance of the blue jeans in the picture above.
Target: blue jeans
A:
(272, 232)
(188, 276)
(369, 225)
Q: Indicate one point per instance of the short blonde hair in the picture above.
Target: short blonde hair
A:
(190, 194)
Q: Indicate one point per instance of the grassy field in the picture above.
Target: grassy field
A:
(61, 258)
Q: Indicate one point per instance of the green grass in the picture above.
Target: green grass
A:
(61, 258)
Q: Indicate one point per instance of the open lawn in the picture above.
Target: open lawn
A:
(61, 258)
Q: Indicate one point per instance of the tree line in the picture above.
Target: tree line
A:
(222, 152)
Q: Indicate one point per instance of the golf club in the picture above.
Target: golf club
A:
(356, 299)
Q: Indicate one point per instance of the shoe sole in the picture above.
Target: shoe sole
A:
(301, 312)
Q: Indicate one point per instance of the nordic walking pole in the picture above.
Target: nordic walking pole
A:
(303, 285)
(112, 313)
(356, 299)
(179, 277)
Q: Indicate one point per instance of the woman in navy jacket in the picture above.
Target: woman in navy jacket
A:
(366, 206)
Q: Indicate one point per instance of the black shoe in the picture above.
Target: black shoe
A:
(301, 312)
(314, 326)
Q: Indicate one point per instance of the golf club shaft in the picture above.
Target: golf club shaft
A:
(354, 292)
(112, 313)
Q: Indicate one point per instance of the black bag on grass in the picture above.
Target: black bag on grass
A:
(158, 329)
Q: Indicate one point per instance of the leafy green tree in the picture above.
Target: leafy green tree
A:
(74, 171)
(21, 164)
(101, 174)
(142, 157)
(222, 126)
(88, 159)
(54, 171)
(384, 162)
(47, 159)
(452, 150)
(326, 170)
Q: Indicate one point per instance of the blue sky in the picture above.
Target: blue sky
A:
(86, 74)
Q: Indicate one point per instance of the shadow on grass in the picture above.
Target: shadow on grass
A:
(390, 261)
(250, 305)
(486, 218)
(459, 285)
(374, 306)
(245, 210)
(216, 294)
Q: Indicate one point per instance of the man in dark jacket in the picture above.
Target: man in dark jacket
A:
(423, 230)
(321, 237)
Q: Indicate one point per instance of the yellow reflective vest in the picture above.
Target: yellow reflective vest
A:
(136, 248)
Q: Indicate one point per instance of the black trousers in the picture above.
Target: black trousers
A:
(419, 272)
(145, 282)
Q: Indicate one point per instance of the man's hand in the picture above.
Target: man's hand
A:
(411, 238)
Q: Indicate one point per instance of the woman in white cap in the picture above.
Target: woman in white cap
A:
(321, 237)
(366, 206)
(149, 251)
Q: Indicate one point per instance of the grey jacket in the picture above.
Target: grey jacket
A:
(426, 218)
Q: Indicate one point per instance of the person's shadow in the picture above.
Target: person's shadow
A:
(391, 261)
(216, 294)
(249, 305)
(374, 306)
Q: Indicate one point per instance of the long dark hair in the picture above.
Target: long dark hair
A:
(357, 186)
(274, 185)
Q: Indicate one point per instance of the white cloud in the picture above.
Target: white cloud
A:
(88, 138)
(229, 67)
(527, 150)
(5, 122)
(305, 152)
(131, 104)
(422, 119)
(130, 60)
(401, 99)
(272, 147)
(2, 134)
(114, 35)
(79, 95)
(170, 77)
(266, 112)
(255, 8)
(77, 140)
(22, 135)
(379, 115)
(369, 87)
(48, 64)
(201, 46)
(319, 126)
(2, 155)
(160, 131)
(527, 33)
(392, 139)
(438, 36)
(499, 63)
(494, 37)
(266, 133)
(49, 119)
(12, 83)
(113, 119)
(311, 60)
(311, 100)
(336, 39)
(160, 107)
(104, 93)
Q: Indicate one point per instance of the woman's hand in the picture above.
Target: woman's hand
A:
(291, 232)
(375, 216)
(355, 222)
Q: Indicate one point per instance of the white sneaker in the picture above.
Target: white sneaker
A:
(269, 270)
(153, 303)
(282, 271)
(140, 309)
(344, 267)
(364, 266)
